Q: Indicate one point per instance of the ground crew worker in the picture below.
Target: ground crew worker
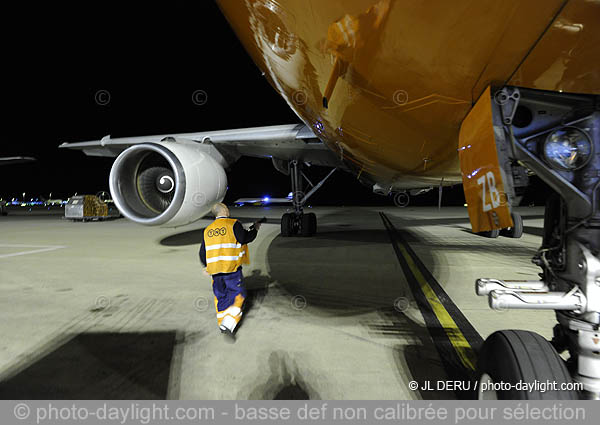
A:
(223, 251)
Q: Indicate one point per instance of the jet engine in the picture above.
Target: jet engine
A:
(168, 183)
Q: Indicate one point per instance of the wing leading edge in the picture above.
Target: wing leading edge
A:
(279, 142)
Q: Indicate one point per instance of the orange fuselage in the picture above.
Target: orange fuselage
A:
(386, 84)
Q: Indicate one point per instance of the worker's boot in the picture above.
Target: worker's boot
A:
(228, 326)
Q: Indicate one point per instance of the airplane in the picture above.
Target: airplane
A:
(261, 201)
(13, 160)
(409, 95)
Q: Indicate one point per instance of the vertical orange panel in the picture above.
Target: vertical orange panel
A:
(480, 169)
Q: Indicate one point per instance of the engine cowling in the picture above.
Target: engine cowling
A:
(168, 183)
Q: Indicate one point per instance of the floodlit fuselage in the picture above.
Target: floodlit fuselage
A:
(386, 84)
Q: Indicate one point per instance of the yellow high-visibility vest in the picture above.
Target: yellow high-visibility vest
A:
(223, 252)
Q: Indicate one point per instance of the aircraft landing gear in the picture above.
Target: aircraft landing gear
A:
(510, 232)
(490, 233)
(298, 222)
(557, 136)
(517, 230)
(513, 356)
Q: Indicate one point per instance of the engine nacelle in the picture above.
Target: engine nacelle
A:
(169, 183)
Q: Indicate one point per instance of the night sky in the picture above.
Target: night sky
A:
(65, 60)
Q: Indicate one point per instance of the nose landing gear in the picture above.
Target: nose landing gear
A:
(516, 231)
(560, 142)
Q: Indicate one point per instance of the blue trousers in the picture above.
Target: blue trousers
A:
(226, 287)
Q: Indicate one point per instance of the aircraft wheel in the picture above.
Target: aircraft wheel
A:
(490, 233)
(309, 224)
(513, 356)
(287, 225)
(517, 230)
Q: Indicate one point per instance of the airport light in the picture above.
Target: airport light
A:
(567, 149)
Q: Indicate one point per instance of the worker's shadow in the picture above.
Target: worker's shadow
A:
(283, 381)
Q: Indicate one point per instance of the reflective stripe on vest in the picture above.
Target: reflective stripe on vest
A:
(223, 252)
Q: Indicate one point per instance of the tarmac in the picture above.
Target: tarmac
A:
(380, 297)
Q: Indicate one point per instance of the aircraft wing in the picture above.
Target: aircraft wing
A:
(10, 160)
(279, 142)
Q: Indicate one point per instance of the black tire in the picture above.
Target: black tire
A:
(490, 233)
(517, 230)
(514, 356)
(308, 226)
(287, 225)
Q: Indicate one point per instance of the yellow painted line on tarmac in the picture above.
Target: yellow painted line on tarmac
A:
(463, 349)
(456, 337)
